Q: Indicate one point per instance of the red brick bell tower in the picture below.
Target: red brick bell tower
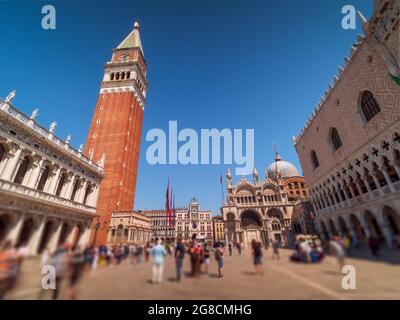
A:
(116, 129)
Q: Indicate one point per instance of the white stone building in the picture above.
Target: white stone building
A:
(129, 227)
(192, 221)
(48, 190)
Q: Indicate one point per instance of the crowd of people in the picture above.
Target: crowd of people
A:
(71, 262)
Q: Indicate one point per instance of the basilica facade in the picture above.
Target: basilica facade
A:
(262, 209)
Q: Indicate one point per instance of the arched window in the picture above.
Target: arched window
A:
(2, 152)
(87, 193)
(112, 76)
(128, 75)
(75, 189)
(314, 159)
(335, 138)
(122, 75)
(369, 106)
(117, 76)
(22, 170)
(43, 178)
(61, 184)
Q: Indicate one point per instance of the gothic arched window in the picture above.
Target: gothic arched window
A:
(112, 76)
(61, 184)
(22, 170)
(335, 138)
(128, 75)
(369, 106)
(314, 159)
(117, 76)
(43, 178)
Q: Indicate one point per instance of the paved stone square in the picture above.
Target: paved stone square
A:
(377, 278)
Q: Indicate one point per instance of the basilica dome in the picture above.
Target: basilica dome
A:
(283, 168)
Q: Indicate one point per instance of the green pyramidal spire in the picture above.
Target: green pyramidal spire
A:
(133, 39)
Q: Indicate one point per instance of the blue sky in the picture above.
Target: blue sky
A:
(226, 64)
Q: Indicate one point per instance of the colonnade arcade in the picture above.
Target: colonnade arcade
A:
(40, 232)
(382, 222)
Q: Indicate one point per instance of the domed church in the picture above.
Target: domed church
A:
(262, 209)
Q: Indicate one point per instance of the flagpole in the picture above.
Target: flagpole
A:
(222, 190)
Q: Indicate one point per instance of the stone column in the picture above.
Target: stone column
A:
(81, 192)
(69, 187)
(367, 185)
(72, 235)
(397, 168)
(34, 177)
(84, 239)
(387, 234)
(15, 230)
(53, 243)
(12, 164)
(388, 180)
(376, 181)
(34, 242)
(54, 181)
(6, 158)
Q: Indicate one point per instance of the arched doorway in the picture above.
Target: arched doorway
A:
(26, 232)
(324, 231)
(343, 227)
(46, 235)
(392, 219)
(120, 231)
(373, 224)
(251, 225)
(230, 225)
(356, 224)
(332, 227)
(4, 224)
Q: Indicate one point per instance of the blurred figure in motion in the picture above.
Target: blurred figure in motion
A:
(194, 251)
(179, 256)
(140, 253)
(219, 257)
(45, 257)
(8, 267)
(257, 256)
(60, 262)
(230, 248)
(77, 267)
(374, 245)
(158, 253)
(239, 248)
(206, 257)
(347, 244)
(132, 251)
(275, 249)
(337, 250)
(147, 250)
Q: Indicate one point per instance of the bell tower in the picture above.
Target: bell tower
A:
(116, 129)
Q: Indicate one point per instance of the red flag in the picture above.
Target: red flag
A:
(170, 209)
(167, 208)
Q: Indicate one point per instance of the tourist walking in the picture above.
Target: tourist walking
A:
(257, 256)
(239, 248)
(60, 262)
(179, 256)
(230, 248)
(132, 252)
(374, 245)
(206, 257)
(275, 249)
(337, 250)
(158, 254)
(219, 257)
(194, 251)
(77, 267)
